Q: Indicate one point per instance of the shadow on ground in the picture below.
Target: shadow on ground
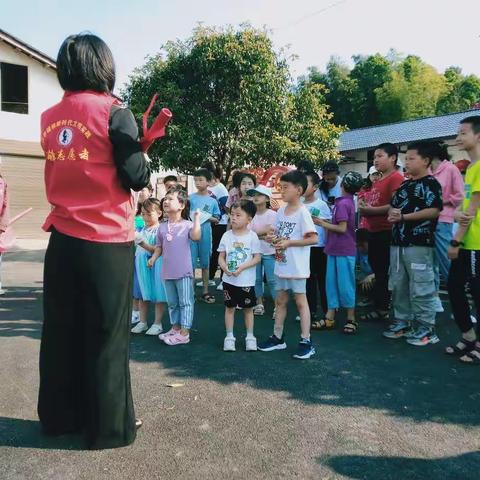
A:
(460, 467)
(16, 432)
(366, 370)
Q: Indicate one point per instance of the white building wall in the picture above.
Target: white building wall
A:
(43, 92)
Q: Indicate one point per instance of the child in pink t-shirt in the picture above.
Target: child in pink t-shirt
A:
(262, 224)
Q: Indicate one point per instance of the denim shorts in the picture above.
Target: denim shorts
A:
(296, 285)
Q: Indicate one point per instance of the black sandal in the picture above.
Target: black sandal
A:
(374, 316)
(350, 328)
(472, 357)
(461, 348)
(207, 298)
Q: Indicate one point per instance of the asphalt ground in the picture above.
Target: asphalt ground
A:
(363, 408)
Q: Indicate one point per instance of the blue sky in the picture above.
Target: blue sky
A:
(440, 31)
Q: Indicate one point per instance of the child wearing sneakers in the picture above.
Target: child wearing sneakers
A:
(414, 211)
(239, 254)
(202, 250)
(173, 245)
(292, 238)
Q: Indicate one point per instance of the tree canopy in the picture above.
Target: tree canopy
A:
(233, 103)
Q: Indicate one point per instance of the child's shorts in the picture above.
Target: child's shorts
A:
(243, 297)
(296, 285)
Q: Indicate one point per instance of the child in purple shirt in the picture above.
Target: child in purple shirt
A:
(173, 244)
(341, 250)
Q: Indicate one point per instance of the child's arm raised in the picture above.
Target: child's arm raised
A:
(196, 232)
(157, 253)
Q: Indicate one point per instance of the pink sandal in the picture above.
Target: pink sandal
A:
(171, 332)
(177, 339)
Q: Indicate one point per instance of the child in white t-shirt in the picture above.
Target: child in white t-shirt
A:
(239, 254)
(294, 234)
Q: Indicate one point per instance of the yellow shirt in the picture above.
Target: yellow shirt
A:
(471, 240)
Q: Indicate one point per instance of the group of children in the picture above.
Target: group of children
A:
(314, 245)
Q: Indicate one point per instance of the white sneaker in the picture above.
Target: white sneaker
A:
(154, 330)
(220, 286)
(211, 283)
(251, 344)
(135, 317)
(297, 318)
(229, 344)
(2, 291)
(140, 327)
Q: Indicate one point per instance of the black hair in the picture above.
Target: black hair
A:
(84, 62)
(247, 206)
(251, 176)
(150, 203)
(362, 235)
(182, 196)
(474, 121)
(305, 166)
(439, 150)
(297, 178)
(425, 150)
(367, 183)
(203, 172)
(216, 170)
(314, 177)
(170, 178)
(330, 167)
(389, 148)
(237, 178)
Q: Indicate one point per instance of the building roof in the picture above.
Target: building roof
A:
(442, 126)
(27, 49)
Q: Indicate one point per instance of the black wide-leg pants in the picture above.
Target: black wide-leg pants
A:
(84, 352)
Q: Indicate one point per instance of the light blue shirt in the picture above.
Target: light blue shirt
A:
(335, 191)
(319, 209)
(204, 203)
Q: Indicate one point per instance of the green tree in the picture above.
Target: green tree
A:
(369, 73)
(461, 94)
(413, 91)
(231, 98)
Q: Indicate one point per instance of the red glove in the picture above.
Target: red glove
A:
(157, 130)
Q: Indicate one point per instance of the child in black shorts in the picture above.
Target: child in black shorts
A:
(240, 252)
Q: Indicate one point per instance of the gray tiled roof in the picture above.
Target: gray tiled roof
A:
(442, 126)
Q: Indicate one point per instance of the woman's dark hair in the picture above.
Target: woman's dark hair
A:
(85, 62)
(182, 196)
(247, 206)
(297, 178)
(251, 176)
(237, 178)
(153, 203)
(440, 151)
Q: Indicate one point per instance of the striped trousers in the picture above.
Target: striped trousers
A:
(180, 301)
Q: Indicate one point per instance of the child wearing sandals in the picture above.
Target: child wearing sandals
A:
(149, 280)
(262, 223)
(173, 244)
(239, 254)
(341, 249)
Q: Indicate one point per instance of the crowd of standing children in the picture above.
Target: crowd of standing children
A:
(399, 235)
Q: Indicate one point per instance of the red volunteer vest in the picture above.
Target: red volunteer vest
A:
(88, 201)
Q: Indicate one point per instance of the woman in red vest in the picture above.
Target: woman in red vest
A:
(93, 161)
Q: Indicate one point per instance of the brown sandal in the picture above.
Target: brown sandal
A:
(324, 324)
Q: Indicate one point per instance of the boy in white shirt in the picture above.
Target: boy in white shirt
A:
(294, 234)
(240, 252)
